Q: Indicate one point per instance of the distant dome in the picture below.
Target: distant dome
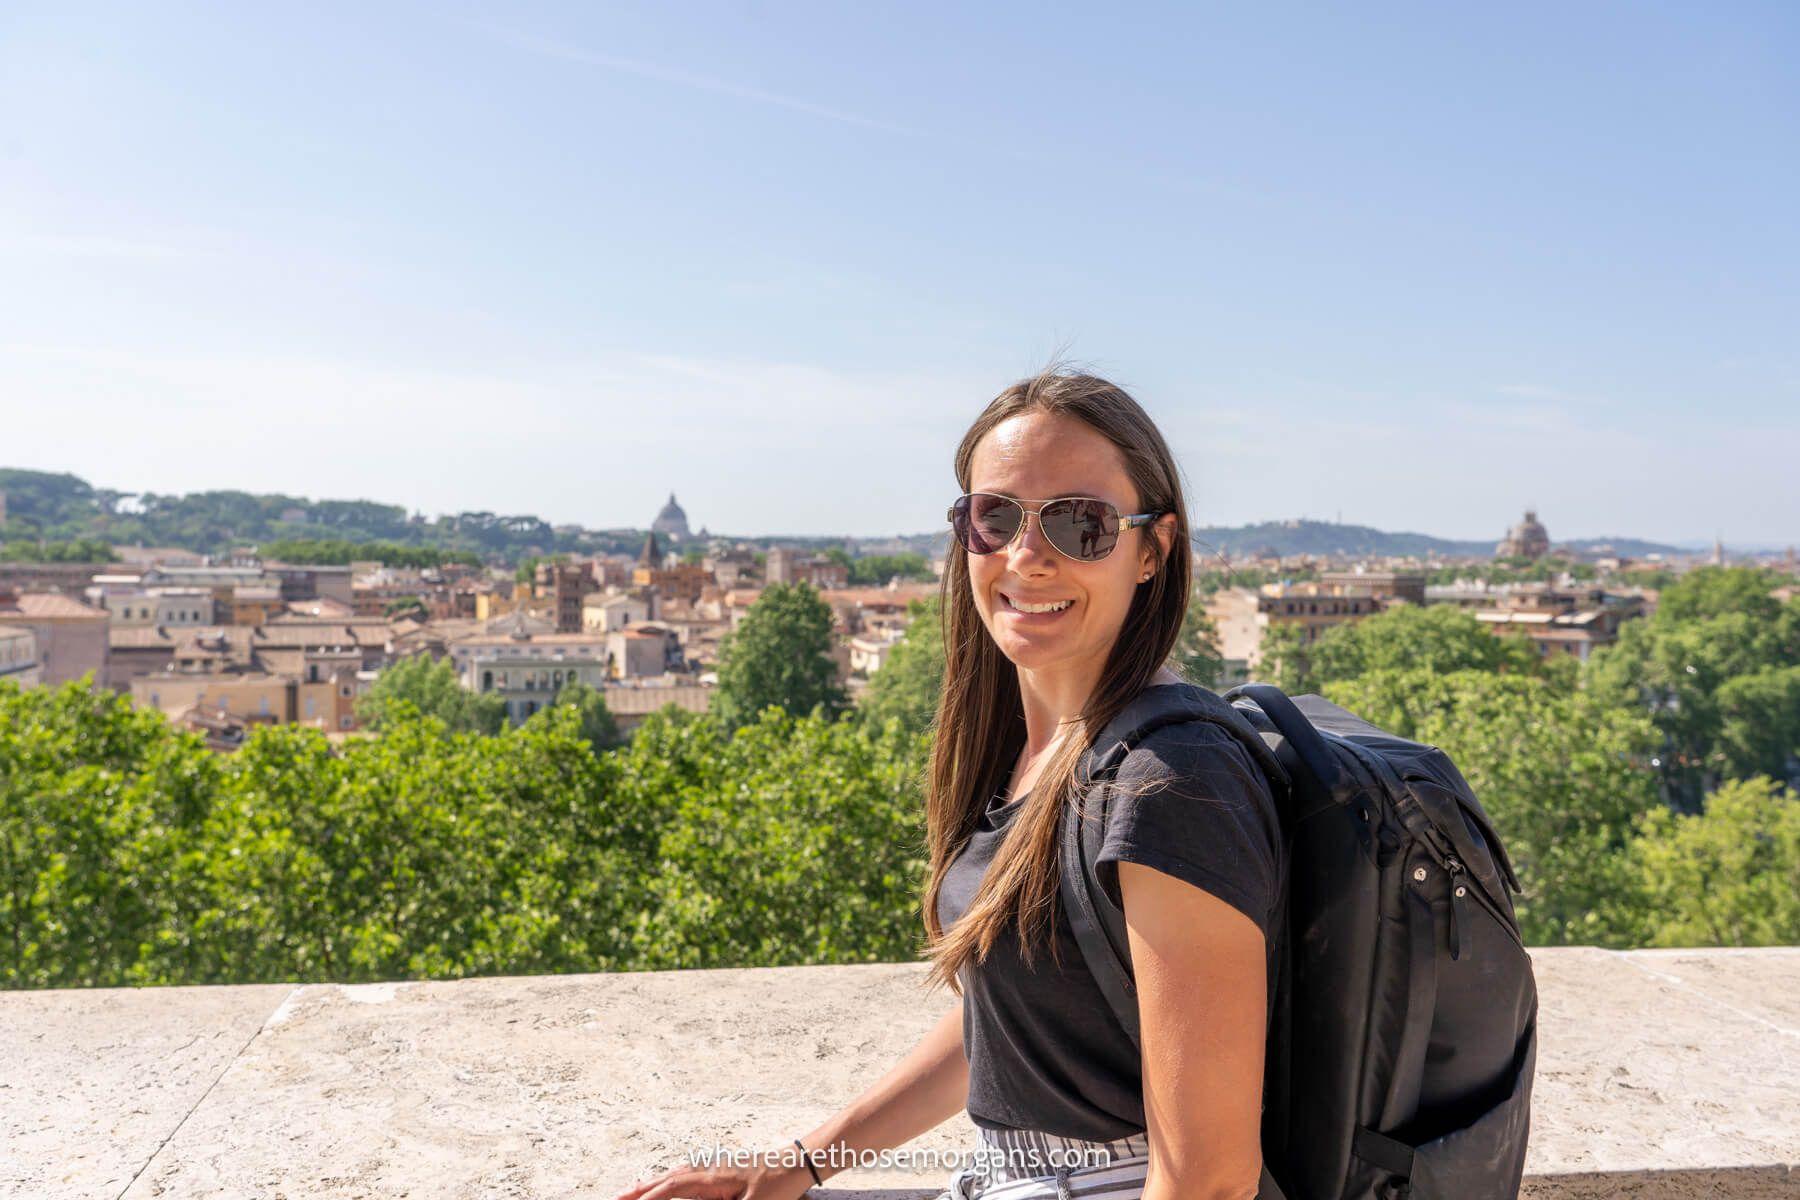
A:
(1527, 539)
(671, 521)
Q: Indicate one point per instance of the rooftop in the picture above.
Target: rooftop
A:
(1661, 1074)
(49, 606)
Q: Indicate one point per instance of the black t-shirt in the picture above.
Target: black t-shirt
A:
(1045, 1051)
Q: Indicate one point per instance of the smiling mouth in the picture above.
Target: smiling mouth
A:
(1034, 610)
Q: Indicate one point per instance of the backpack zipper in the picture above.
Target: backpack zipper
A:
(1458, 890)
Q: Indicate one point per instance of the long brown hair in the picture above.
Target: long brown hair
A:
(980, 725)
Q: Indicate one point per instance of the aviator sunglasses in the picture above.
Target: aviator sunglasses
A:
(1081, 527)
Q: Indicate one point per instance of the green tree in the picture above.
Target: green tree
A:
(1287, 660)
(429, 686)
(1759, 723)
(97, 805)
(1715, 591)
(794, 840)
(780, 655)
(909, 683)
(81, 550)
(1435, 638)
(1729, 876)
(597, 723)
(1196, 655)
(1676, 666)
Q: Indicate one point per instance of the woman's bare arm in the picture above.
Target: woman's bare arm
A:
(922, 1091)
(1202, 999)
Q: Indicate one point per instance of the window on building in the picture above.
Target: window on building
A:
(262, 706)
(487, 681)
(344, 690)
(345, 722)
(310, 708)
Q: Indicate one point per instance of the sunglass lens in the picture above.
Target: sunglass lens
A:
(1082, 529)
(985, 523)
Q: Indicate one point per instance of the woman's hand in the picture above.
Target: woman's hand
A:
(774, 1175)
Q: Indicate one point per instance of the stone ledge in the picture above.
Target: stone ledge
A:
(1660, 1074)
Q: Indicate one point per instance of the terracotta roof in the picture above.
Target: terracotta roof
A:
(536, 639)
(642, 701)
(139, 637)
(289, 631)
(881, 595)
(50, 606)
(324, 607)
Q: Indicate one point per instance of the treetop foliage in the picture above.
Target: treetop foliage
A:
(780, 655)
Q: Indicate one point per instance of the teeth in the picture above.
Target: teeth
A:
(1039, 608)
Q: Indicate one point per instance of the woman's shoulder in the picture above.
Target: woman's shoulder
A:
(1189, 799)
(1201, 748)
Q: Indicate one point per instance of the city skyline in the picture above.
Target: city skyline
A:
(1383, 265)
(128, 506)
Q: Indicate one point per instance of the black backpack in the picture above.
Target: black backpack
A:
(1403, 1025)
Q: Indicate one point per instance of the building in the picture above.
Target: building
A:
(868, 652)
(307, 648)
(787, 566)
(19, 657)
(873, 610)
(314, 582)
(253, 604)
(527, 668)
(630, 705)
(497, 598)
(1243, 617)
(672, 521)
(601, 613)
(130, 604)
(733, 567)
(219, 579)
(644, 652)
(1573, 621)
(322, 701)
(1408, 586)
(565, 585)
(1527, 539)
(686, 582)
(71, 636)
(71, 579)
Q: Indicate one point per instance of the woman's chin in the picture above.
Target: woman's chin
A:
(1029, 653)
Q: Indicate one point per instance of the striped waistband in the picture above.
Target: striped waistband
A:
(1024, 1164)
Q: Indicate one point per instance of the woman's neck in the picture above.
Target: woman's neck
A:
(1052, 704)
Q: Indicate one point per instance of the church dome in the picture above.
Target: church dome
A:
(672, 520)
(1527, 539)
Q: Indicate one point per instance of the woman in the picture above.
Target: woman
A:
(1065, 589)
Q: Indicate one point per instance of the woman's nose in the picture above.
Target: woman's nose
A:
(1031, 536)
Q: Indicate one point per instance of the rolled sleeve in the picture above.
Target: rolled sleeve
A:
(1190, 802)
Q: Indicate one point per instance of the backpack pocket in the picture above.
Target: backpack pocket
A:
(1483, 1160)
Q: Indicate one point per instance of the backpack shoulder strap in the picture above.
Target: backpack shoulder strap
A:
(1098, 924)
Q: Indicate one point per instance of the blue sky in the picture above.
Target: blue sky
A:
(1420, 265)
